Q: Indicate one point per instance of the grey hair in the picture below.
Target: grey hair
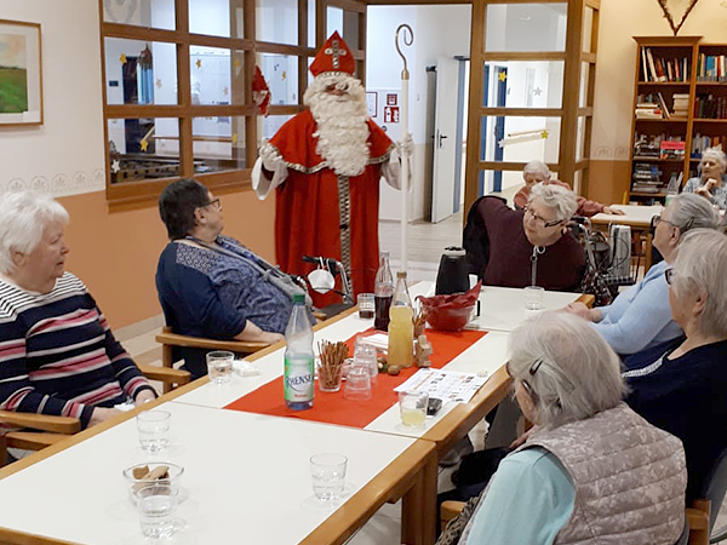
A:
(24, 216)
(561, 199)
(579, 374)
(701, 267)
(714, 153)
(537, 167)
(691, 211)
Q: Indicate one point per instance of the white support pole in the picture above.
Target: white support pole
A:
(404, 182)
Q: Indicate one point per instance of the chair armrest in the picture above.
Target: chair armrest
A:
(242, 347)
(450, 510)
(165, 374)
(44, 422)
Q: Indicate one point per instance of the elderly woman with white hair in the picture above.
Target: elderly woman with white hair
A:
(518, 248)
(640, 319)
(538, 172)
(591, 469)
(58, 354)
(710, 183)
(683, 390)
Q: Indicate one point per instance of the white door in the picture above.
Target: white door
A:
(445, 128)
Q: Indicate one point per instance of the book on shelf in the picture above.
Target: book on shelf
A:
(701, 142)
(711, 67)
(710, 107)
(681, 104)
(663, 69)
(672, 149)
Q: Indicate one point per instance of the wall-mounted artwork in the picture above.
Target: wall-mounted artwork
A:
(21, 90)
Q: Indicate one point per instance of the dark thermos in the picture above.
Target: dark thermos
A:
(453, 273)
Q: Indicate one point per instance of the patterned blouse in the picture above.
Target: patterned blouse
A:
(719, 194)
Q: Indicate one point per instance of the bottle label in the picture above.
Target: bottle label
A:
(298, 378)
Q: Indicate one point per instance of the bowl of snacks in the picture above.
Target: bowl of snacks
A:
(450, 312)
(141, 475)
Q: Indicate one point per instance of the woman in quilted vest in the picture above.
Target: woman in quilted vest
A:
(591, 471)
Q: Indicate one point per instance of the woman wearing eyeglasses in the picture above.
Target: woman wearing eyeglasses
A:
(591, 470)
(683, 390)
(710, 183)
(640, 319)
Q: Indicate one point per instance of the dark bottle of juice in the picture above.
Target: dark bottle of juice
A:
(383, 292)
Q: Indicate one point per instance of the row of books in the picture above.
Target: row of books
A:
(658, 146)
(701, 142)
(646, 178)
(711, 67)
(663, 68)
(710, 107)
(654, 106)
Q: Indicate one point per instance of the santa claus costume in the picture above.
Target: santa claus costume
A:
(325, 165)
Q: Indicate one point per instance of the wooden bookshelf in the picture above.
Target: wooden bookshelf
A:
(705, 96)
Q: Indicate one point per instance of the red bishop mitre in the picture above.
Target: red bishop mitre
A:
(334, 56)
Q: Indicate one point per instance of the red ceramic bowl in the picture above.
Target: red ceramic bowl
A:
(448, 319)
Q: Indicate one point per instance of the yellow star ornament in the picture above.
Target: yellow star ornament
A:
(198, 63)
(234, 138)
(144, 144)
(544, 134)
(502, 76)
(122, 58)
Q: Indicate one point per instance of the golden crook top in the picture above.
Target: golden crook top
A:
(404, 72)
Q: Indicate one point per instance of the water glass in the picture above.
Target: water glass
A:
(153, 428)
(413, 408)
(366, 305)
(534, 297)
(358, 384)
(329, 472)
(219, 366)
(364, 355)
(156, 503)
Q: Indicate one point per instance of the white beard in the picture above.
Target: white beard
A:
(342, 131)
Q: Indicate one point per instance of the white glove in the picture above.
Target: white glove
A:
(406, 146)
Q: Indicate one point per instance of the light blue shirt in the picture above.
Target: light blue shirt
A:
(719, 194)
(640, 317)
(530, 499)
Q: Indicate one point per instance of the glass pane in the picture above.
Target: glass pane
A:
(525, 27)
(310, 76)
(350, 29)
(523, 84)
(577, 181)
(140, 72)
(581, 138)
(146, 13)
(277, 21)
(334, 20)
(217, 17)
(219, 143)
(311, 23)
(217, 75)
(143, 148)
(519, 138)
(587, 29)
(281, 73)
(583, 89)
(268, 126)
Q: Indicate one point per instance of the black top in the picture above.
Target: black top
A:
(686, 396)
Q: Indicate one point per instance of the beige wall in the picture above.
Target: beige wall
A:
(620, 20)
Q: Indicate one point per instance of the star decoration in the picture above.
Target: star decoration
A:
(502, 76)
(198, 63)
(284, 75)
(144, 144)
(237, 63)
(544, 134)
(225, 91)
(159, 83)
(234, 138)
(537, 91)
(122, 58)
(115, 166)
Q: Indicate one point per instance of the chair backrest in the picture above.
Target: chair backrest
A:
(684, 538)
(475, 240)
(715, 486)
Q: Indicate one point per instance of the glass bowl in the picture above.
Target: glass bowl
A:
(174, 477)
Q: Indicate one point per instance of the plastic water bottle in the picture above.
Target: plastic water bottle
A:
(401, 328)
(299, 360)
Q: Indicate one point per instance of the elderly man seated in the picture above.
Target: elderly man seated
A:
(518, 248)
(682, 390)
(538, 172)
(640, 318)
(57, 353)
(210, 285)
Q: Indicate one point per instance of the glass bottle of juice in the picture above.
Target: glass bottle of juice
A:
(401, 328)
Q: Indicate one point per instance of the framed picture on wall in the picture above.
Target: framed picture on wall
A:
(21, 74)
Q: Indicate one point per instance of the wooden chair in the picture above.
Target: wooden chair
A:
(51, 429)
(703, 513)
(169, 339)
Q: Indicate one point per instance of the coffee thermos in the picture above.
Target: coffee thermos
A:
(453, 273)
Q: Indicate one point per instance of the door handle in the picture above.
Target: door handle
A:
(441, 137)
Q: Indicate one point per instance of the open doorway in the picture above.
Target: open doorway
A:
(439, 67)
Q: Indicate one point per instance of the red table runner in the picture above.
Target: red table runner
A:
(333, 408)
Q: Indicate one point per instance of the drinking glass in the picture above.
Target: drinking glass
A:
(364, 355)
(534, 297)
(219, 366)
(156, 503)
(329, 472)
(413, 408)
(153, 428)
(358, 384)
(366, 305)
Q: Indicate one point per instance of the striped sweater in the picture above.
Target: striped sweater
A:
(58, 355)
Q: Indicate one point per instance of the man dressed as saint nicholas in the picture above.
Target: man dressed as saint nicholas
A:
(325, 165)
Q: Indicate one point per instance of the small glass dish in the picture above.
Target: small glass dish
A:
(173, 478)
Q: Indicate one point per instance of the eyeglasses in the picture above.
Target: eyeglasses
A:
(214, 202)
(669, 275)
(542, 221)
(525, 384)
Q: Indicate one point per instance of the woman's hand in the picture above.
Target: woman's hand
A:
(579, 309)
(613, 211)
(100, 414)
(704, 190)
(144, 397)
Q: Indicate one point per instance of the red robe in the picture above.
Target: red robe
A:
(306, 208)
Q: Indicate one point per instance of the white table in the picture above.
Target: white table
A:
(247, 479)
(635, 216)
